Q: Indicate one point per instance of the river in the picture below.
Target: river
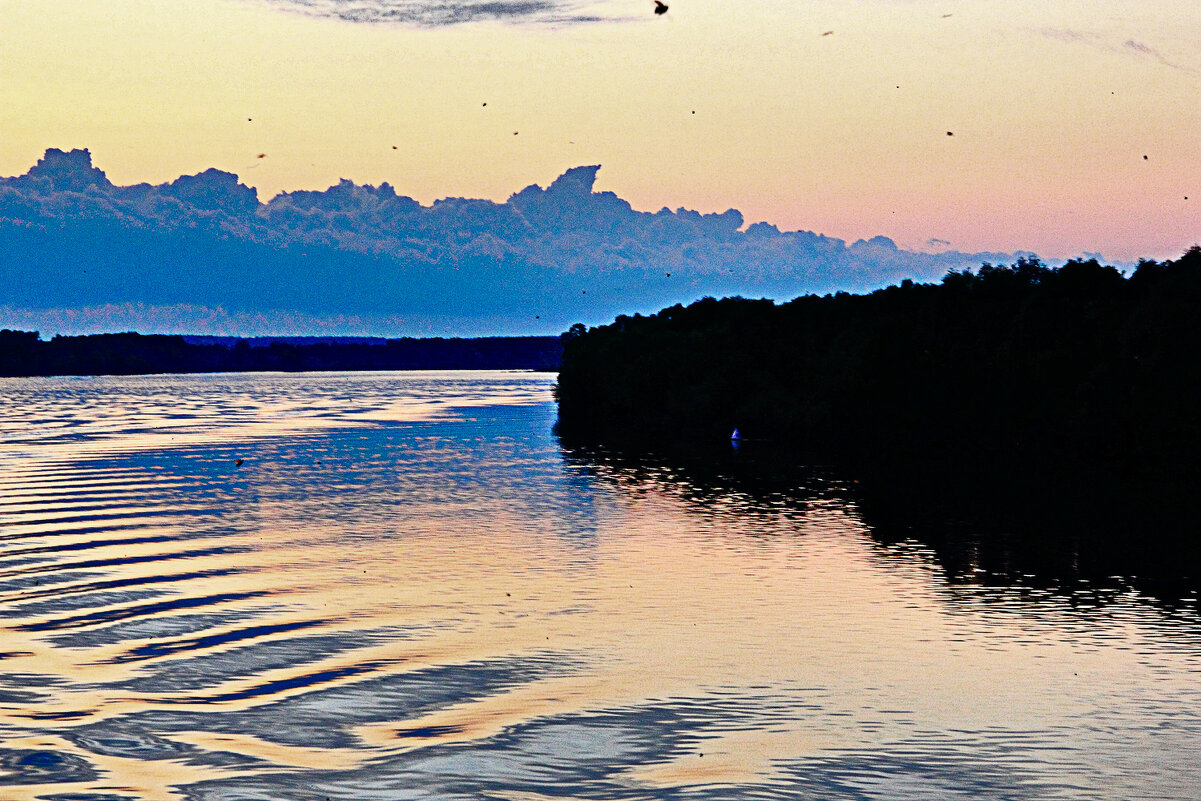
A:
(401, 586)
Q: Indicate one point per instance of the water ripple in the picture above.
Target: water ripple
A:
(408, 589)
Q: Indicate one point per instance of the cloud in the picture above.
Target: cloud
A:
(203, 253)
(435, 13)
(1098, 41)
(1151, 53)
(1069, 35)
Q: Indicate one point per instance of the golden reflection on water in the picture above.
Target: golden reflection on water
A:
(405, 580)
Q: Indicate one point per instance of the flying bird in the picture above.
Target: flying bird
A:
(950, 133)
(261, 156)
(828, 33)
(660, 7)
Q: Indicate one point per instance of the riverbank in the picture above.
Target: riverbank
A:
(23, 353)
(1020, 368)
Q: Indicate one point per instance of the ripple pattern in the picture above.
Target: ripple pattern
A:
(407, 589)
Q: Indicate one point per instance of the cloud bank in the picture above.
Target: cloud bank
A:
(203, 254)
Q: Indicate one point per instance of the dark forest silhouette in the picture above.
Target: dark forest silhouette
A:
(23, 353)
(1024, 367)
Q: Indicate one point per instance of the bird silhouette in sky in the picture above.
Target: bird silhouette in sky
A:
(828, 33)
(660, 7)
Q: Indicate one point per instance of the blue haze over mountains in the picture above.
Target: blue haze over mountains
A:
(202, 254)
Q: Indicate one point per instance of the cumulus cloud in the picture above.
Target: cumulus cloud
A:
(434, 13)
(354, 259)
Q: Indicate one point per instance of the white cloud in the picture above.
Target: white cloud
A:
(366, 257)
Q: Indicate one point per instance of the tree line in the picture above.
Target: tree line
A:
(1024, 365)
(24, 353)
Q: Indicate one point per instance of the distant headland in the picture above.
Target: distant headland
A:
(24, 353)
(1023, 367)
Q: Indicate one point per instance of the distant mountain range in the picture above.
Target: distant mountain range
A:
(203, 255)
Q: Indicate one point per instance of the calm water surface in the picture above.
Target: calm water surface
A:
(408, 590)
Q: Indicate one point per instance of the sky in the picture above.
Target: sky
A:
(1051, 107)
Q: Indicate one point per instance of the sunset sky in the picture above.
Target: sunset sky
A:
(716, 104)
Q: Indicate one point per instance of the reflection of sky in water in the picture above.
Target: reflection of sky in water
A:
(408, 591)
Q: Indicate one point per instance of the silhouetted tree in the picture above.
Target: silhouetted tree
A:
(1024, 363)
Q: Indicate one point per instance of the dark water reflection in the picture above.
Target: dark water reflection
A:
(410, 589)
(1088, 534)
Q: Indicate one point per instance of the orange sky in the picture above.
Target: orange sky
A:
(1052, 106)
